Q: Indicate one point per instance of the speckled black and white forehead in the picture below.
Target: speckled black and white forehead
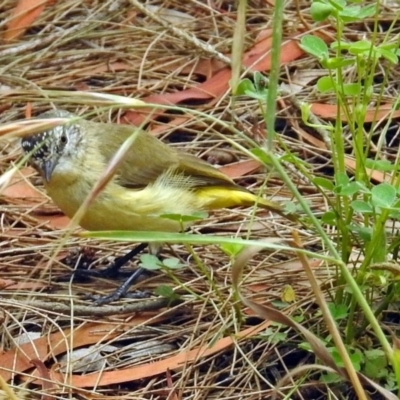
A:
(45, 143)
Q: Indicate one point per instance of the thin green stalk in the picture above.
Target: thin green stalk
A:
(275, 71)
(348, 278)
(338, 159)
(238, 45)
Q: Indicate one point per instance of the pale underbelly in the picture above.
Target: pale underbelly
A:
(113, 218)
(122, 211)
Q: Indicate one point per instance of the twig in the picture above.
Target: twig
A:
(95, 311)
(41, 42)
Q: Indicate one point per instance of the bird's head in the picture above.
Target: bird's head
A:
(55, 150)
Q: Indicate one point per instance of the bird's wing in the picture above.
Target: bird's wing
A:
(151, 161)
(148, 159)
(201, 173)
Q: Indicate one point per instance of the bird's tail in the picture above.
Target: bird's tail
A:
(224, 197)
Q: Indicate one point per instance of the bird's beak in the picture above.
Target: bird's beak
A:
(48, 168)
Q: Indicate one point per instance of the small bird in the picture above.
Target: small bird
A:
(152, 180)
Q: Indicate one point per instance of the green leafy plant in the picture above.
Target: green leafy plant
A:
(359, 208)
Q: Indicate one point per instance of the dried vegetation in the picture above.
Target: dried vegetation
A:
(196, 349)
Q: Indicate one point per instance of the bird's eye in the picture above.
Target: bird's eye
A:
(63, 139)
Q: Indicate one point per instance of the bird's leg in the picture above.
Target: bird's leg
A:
(123, 289)
(112, 270)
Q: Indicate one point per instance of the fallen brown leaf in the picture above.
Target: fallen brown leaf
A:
(22, 17)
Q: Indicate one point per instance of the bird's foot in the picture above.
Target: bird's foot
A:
(122, 291)
(82, 274)
(112, 272)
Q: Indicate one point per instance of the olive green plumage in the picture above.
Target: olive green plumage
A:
(153, 179)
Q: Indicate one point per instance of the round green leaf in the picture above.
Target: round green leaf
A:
(323, 183)
(314, 46)
(320, 11)
(361, 207)
(383, 195)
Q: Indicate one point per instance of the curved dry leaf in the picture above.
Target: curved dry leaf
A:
(23, 15)
(18, 359)
(175, 362)
(86, 359)
(329, 111)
